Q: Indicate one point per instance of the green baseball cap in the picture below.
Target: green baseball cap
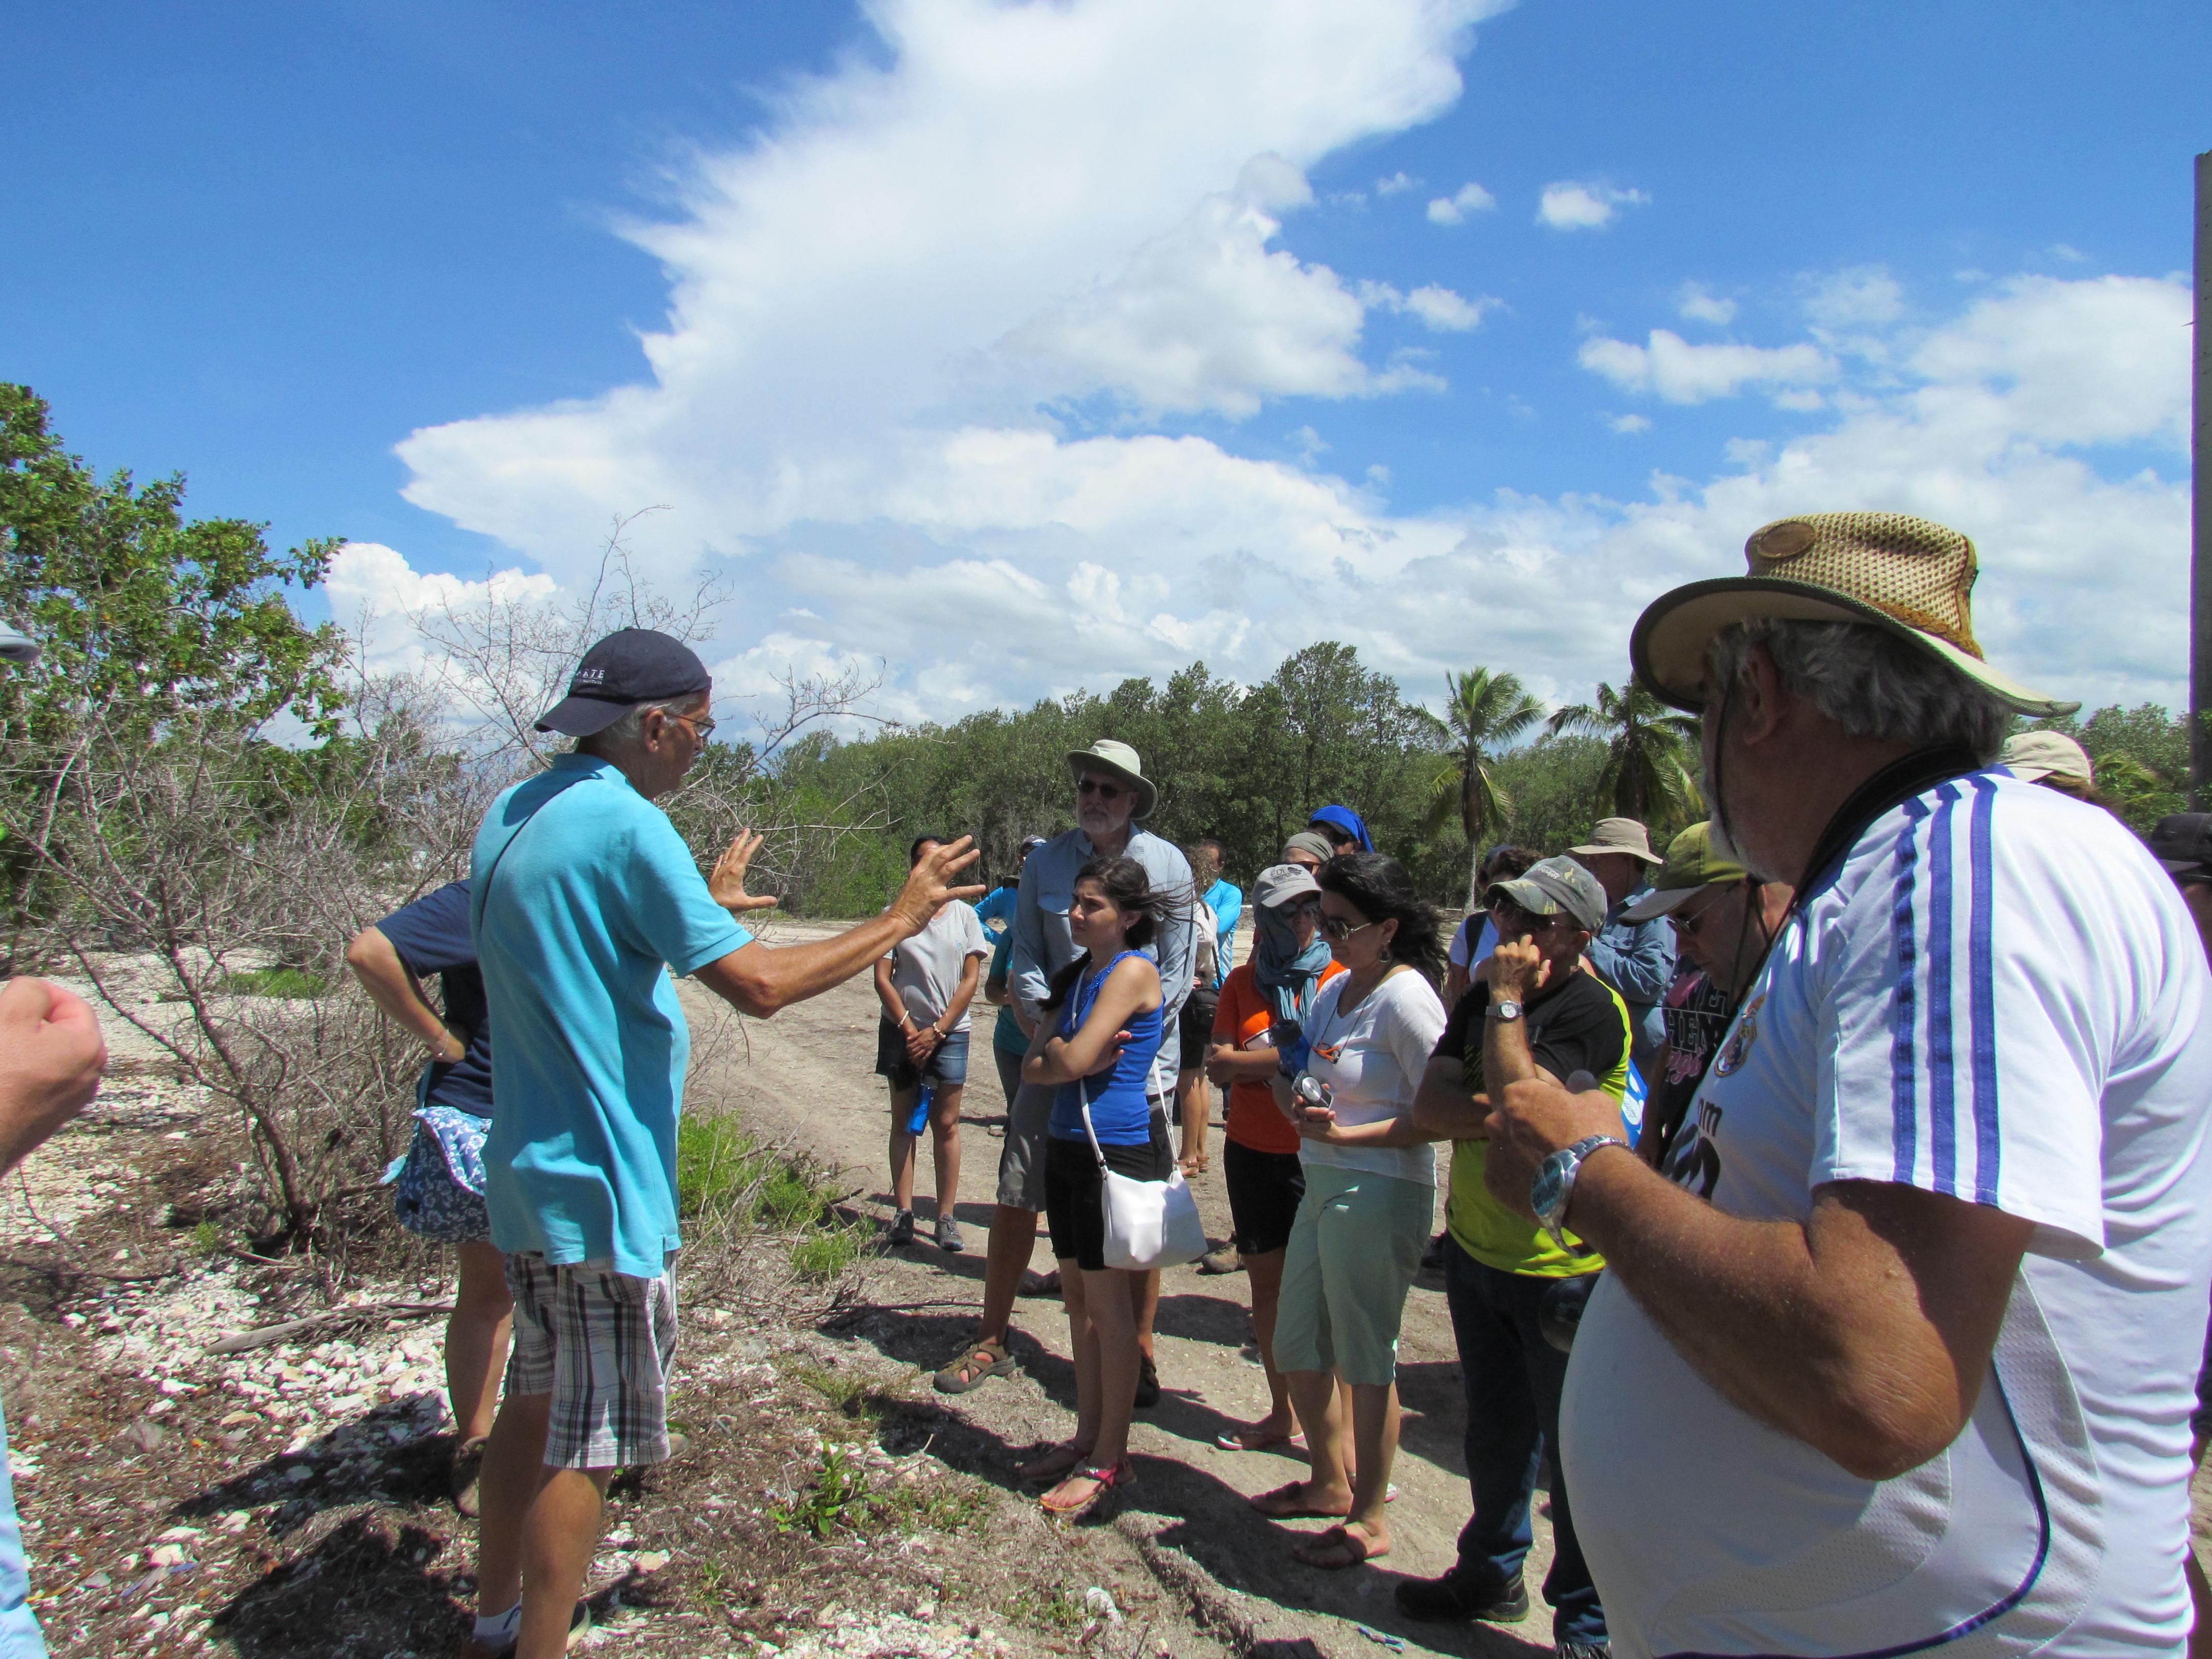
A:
(1691, 863)
(1556, 885)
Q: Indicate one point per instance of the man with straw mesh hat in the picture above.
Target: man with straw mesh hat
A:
(1917, 1374)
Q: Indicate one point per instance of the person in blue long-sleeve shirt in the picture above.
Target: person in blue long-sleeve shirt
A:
(1637, 958)
(1226, 900)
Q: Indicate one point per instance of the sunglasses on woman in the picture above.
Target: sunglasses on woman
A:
(1337, 928)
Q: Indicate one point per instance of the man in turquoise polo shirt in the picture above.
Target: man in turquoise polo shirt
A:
(584, 901)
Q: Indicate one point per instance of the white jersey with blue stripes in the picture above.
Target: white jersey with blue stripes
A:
(2000, 996)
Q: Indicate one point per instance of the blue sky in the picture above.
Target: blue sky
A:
(1026, 347)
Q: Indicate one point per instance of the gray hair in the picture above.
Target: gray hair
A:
(629, 731)
(1866, 680)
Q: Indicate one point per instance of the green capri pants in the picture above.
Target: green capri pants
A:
(1354, 1250)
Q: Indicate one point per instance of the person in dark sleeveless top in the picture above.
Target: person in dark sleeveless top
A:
(1101, 1032)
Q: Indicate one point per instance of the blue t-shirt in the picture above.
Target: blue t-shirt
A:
(431, 936)
(1006, 1035)
(1120, 1112)
(1226, 900)
(596, 900)
(998, 906)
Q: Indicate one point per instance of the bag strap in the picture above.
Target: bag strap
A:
(479, 897)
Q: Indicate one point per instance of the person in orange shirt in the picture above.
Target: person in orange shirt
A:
(1260, 1000)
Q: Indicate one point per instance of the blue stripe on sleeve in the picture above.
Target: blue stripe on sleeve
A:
(1904, 1008)
(1942, 1050)
(1981, 967)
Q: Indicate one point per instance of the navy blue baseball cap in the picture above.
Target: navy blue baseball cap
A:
(631, 665)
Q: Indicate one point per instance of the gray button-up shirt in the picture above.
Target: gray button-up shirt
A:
(1044, 945)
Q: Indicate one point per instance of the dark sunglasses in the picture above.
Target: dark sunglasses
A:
(1338, 928)
(1103, 791)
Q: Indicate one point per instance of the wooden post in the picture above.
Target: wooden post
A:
(2200, 450)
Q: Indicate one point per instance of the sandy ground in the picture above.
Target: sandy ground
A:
(809, 1076)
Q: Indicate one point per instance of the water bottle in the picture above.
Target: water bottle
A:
(919, 1120)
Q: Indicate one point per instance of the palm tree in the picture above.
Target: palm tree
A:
(1649, 747)
(1484, 713)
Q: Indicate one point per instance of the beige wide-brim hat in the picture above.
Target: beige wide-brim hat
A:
(1108, 756)
(1911, 576)
(1618, 836)
(2034, 756)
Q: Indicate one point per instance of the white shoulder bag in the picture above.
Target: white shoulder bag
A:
(1149, 1224)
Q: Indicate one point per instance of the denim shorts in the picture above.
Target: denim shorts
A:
(947, 1068)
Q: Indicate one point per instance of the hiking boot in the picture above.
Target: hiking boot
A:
(1432, 1259)
(1582, 1651)
(948, 1234)
(1461, 1594)
(1223, 1260)
(1148, 1383)
(902, 1229)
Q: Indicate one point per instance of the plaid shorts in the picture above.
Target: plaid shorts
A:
(601, 1343)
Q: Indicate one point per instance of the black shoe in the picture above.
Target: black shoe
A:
(1432, 1259)
(902, 1229)
(1148, 1382)
(1582, 1651)
(1463, 1595)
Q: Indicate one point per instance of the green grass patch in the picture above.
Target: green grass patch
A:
(275, 982)
(841, 1499)
(1046, 1610)
(206, 1238)
(727, 1176)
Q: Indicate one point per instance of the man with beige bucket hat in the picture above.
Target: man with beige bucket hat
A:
(1635, 957)
(1111, 794)
(1916, 1376)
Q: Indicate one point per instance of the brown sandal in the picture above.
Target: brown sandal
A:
(978, 1365)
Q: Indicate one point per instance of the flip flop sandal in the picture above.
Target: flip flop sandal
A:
(1120, 1478)
(964, 1373)
(1288, 1494)
(1231, 1441)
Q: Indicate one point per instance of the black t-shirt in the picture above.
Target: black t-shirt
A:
(431, 936)
(1697, 1019)
(1576, 1026)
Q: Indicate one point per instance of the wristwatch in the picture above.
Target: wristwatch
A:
(1554, 1185)
(1504, 1008)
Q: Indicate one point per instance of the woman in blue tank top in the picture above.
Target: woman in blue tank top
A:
(1097, 1041)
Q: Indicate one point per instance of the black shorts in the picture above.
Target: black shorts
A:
(1074, 1195)
(1196, 1026)
(1264, 1190)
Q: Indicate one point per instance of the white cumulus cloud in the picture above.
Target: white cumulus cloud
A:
(1401, 180)
(1571, 206)
(860, 405)
(1681, 373)
(1454, 209)
(1701, 305)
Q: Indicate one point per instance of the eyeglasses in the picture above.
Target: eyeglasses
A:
(1103, 791)
(703, 726)
(1338, 928)
(1513, 920)
(1687, 921)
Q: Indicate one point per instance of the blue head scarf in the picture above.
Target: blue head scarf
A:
(1348, 821)
(1288, 974)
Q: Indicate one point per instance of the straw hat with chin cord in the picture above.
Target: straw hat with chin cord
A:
(1909, 576)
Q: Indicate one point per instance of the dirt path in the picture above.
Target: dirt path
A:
(809, 1076)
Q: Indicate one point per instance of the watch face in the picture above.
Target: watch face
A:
(1544, 1194)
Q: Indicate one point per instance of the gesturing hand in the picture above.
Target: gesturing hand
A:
(727, 883)
(52, 1055)
(928, 888)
